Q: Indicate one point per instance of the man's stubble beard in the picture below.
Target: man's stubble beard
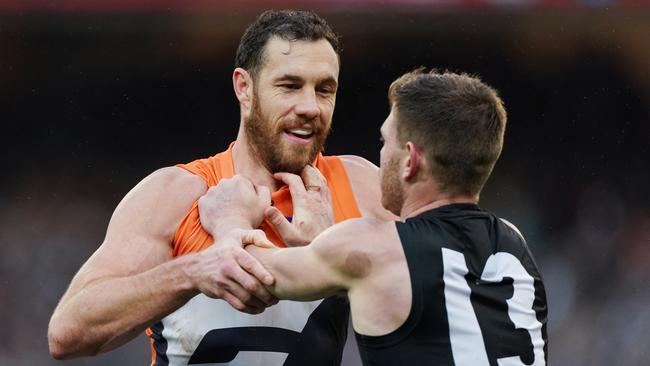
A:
(392, 194)
(266, 142)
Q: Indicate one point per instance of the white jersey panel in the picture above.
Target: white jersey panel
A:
(185, 328)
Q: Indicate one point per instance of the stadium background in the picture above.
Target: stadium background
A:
(96, 95)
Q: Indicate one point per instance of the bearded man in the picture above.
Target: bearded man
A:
(449, 284)
(157, 269)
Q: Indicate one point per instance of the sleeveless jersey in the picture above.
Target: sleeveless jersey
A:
(208, 331)
(477, 296)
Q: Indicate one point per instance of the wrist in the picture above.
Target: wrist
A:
(228, 227)
(186, 269)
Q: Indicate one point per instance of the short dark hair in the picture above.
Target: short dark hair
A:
(456, 119)
(290, 25)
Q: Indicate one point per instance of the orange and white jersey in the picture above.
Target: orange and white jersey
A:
(209, 332)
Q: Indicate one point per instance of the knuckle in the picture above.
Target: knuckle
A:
(225, 269)
(258, 234)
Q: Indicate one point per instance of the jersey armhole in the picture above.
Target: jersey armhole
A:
(417, 306)
(195, 169)
(343, 200)
(208, 169)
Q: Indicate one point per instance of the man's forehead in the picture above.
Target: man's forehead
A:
(315, 58)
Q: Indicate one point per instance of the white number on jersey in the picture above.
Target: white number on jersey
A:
(467, 345)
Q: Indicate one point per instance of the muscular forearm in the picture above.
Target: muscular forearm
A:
(298, 272)
(108, 312)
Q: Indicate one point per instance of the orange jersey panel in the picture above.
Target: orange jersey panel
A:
(190, 236)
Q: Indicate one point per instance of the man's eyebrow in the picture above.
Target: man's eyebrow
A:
(289, 77)
(329, 80)
(296, 78)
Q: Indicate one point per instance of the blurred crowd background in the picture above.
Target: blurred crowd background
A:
(94, 96)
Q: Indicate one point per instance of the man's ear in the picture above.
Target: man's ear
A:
(413, 161)
(242, 83)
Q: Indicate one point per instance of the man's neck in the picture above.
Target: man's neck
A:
(424, 197)
(246, 163)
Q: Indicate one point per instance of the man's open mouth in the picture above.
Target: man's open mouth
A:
(299, 132)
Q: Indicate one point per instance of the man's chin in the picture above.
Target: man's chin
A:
(297, 149)
(293, 160)
(290, 167)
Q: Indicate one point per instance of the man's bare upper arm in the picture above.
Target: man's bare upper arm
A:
(142, 227)
(365, 181)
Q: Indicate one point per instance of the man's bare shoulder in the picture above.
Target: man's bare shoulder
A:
(177, 179)
(173, 185)
(369, 225)
(158, 202)
(355, 164)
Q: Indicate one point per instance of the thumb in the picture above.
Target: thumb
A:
(257, 238)
(280, 222)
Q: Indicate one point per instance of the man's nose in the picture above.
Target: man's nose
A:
(308, 105)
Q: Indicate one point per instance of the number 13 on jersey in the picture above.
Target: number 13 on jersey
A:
(467, 343)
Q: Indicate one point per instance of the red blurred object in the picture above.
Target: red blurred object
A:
(66, 6)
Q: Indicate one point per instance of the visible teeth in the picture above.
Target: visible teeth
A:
(300, 131)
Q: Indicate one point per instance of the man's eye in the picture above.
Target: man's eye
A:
(326, 90)
(290, 86)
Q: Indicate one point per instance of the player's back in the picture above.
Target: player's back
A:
(477, 296)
